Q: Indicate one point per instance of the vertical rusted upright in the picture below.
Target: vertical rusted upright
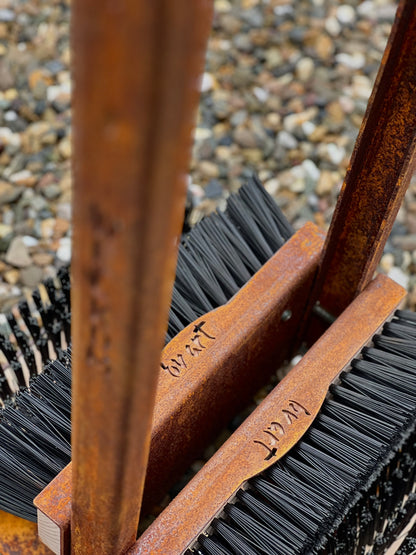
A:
(378, 175)
(135, 67)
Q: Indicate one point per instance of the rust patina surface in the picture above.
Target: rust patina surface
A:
(287, 412)
(136, 67)
(19, 537)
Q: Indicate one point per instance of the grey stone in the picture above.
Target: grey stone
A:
(17, 254)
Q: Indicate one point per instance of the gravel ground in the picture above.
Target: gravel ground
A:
(285, 89)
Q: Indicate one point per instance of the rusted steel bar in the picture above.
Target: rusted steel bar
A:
(236, 348)
(19, 537)
(250, 450)
(378, 175)
(136, 66)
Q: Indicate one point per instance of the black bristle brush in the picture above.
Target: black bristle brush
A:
(349, 485)
(326, 464)
(215, 260)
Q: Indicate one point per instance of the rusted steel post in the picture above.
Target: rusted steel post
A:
(135, 66)
(378, 175)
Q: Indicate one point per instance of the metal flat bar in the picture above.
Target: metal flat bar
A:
(135, 66)
(378, 175)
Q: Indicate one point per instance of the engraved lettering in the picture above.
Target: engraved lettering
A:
(198, 328)
(173, 371)
(197, 343)
(271, 452)
(294, 404)
(275, 431)
(289, 415)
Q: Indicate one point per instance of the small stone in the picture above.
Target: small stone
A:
(325, 183)
(333, 26)
(311, 170)
(47, 227)
(208, 169)
(335, 112)
(64, 147)
(213, 189)
(274, 121)
(245, 138)
(5, 230)
(387, 262)
(222, 6)
(39, 76)
(332, 153)
(51, 192)
(17, 254)
(345, 14)
(31, 276)
(7, 15)
(272, 186)
(64, 250)
(305, 68)
(324, 46)
(11, 276)
(208, 82)
(24, 178)
(201, 134)
(261, 94)
(286, 140)
(352, 61)
(30, 241)
(42, 259)
(61, 227)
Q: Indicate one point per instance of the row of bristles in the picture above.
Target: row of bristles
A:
(36, 331)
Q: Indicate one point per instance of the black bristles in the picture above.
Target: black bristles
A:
(35, 440)
(223, 252)
(349, 484)
(35, 334)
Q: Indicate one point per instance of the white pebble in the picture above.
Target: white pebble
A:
(333, 26)
(64, 250)
(305, 68)
(352, 61)
(311, 170)
(261, 94)
(335, 153)
(30, 241)
(207, 83)
(345, 14)
(286, 140)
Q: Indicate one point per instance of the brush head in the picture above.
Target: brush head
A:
(350, 482)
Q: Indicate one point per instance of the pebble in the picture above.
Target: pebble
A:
(304, 69)
(345, 14)
(64, 250)
(17, 254)
(31, 276)
(286, 140)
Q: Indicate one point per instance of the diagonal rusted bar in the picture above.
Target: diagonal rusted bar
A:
(380, 169)
(136, 65)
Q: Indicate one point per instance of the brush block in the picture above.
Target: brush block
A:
(211, 370)
(275, 426)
